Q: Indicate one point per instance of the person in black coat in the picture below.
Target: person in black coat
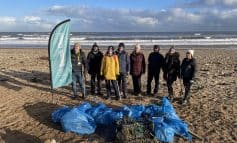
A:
(171, 70)
(155, 63)
(94, 59)
(124, 68)
(188, 70)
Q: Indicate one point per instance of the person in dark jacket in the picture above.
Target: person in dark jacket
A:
(137, 68)
(155, 63)
(79, 68)
(94, 59)
(171, 70)
(188, 70)
(124, 68)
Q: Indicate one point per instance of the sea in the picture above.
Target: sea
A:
(40, 39)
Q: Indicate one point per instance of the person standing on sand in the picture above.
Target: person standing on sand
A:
(94, 59)
(155, 63)
(124, 68)
(171, 70)
(110, 71)
(188, 71)
(79, 68)
(137, 68)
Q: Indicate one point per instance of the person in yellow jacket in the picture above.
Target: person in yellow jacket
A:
(110, 71)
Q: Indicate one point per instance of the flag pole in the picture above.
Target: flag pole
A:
(49, 47)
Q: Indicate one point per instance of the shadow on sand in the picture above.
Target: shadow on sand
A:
(41, 112)
(14, 136)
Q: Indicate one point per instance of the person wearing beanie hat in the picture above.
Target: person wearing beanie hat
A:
(124, 68)
(79, 67)
(155, 63)
(188, 71)
(171, 70)
(94, 59)
(137, 68)
(110, 71)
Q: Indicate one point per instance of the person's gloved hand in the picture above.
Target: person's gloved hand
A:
(117, 76)
(102, 77)
(179, 76)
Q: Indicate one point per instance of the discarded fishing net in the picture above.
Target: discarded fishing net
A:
(133, 131)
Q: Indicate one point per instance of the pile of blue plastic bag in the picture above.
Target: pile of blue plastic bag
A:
(84, 118)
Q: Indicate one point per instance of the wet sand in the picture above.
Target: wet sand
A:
(26, 101)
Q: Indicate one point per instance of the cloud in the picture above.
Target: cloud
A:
(101, 19)
(86, 18)
(7, 20)
(25, 24)
(212, 3)
(220, 17)
(32, 19)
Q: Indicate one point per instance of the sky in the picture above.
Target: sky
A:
(119, 15)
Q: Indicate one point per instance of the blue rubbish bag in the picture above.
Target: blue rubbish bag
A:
(84, 106)
(179, 126)
(57, 114)
(137, 111)
(108, 117)
(101, 114)
(103, 117)
(134, 111)
(152, 111)
(126, 111)
(162, 131)
(116, 115)
(96, 110)
(168, 110)
(78, 122)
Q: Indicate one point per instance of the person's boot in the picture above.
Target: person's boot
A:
(118, 98)
(155, 91)
(148, 93)
(74, 96)
(107, 96)
(171, 96)
(84, 96)
(184, 101)
(92, 93)
(124, 94)
(186, 98)
(99, 93)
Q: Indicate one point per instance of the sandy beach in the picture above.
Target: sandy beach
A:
(26, 101)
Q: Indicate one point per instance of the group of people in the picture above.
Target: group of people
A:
(115, 66)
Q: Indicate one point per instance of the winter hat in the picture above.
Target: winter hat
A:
(156, 47)
(110, 47)
(77, 44)
(121, 45)
(172, 50)
(95, 45)
(191, 52)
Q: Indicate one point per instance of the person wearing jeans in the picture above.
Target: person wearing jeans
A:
(79, 66)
